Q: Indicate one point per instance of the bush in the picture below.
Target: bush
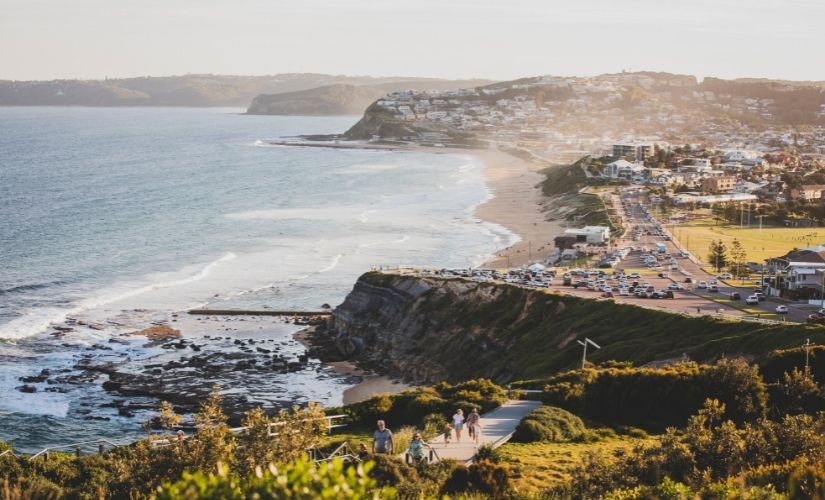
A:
(548, 423)
(413, 406)
(487, 453)
(659, 397)
(300, 479)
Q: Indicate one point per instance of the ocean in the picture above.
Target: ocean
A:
(121, 217)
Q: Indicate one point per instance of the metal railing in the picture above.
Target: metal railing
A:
(343, 451)
(432, 455)
(101, 443)
(269, 430)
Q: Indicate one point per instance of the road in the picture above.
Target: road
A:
(691, 267)
(496, 428)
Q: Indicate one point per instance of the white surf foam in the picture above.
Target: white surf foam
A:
(36, 321)
(332, 265)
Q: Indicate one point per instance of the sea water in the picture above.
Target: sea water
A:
(123, 215)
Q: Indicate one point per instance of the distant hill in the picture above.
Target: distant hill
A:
(184, 90)
(344, 99)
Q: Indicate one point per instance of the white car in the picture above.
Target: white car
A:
(634, 275)
(624, 292)
(703, 285)
(725, 276)
(780, 309)
(675, 286)
(752, 300)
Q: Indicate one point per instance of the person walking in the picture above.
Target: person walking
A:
(382, 439)
(458, 424)
(474, 425)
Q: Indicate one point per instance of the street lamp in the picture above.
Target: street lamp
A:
(807, 346)
(584, 344)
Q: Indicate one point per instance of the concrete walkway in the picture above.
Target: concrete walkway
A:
(496, 428)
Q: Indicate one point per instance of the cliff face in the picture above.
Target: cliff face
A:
(431, 329)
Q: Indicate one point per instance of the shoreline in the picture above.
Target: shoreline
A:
(518, 205)
(371, 384)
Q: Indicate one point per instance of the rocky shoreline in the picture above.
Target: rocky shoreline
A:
(252, 359)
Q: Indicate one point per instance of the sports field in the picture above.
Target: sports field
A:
(759, 244)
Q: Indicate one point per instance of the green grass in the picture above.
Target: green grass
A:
(745, 308)
(759, 244)
(509, 333)
(564, 179)
(543, 465)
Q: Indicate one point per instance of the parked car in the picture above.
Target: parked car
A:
(607, 295)
(667, 294)
(752, 300)
(725, 276)
(735, 296)
(675, 286)
(815, 318)
(624, 292)
(782, 309)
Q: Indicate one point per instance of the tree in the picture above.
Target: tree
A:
(718, 256)
(214, 442)
(738, 257)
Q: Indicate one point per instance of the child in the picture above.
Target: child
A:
(448, 433)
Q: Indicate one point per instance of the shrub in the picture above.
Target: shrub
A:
(548, 423)
(390, 471)
(487, 453)
(411, 407)
(659, 397)
(300, 480)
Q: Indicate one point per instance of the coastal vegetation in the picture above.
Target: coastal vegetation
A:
(403, 325)
(763, 441)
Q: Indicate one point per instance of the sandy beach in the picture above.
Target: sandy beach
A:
(370, 385)
(516, 205)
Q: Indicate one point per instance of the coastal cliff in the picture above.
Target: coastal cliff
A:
(426, 330)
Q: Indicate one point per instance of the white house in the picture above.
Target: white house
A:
(623, 169)
(593, 235)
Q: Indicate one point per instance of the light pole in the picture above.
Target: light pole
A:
(584, 353)
(807, 346)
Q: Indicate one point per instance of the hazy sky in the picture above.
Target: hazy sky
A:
(498, 39)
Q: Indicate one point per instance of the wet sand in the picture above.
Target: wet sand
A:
(370, 385)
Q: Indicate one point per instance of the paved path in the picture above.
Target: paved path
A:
(496, 427)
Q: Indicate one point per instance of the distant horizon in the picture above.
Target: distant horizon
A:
(95, 39)
(699, 78)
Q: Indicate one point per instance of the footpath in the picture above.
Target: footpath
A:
(497, 427)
